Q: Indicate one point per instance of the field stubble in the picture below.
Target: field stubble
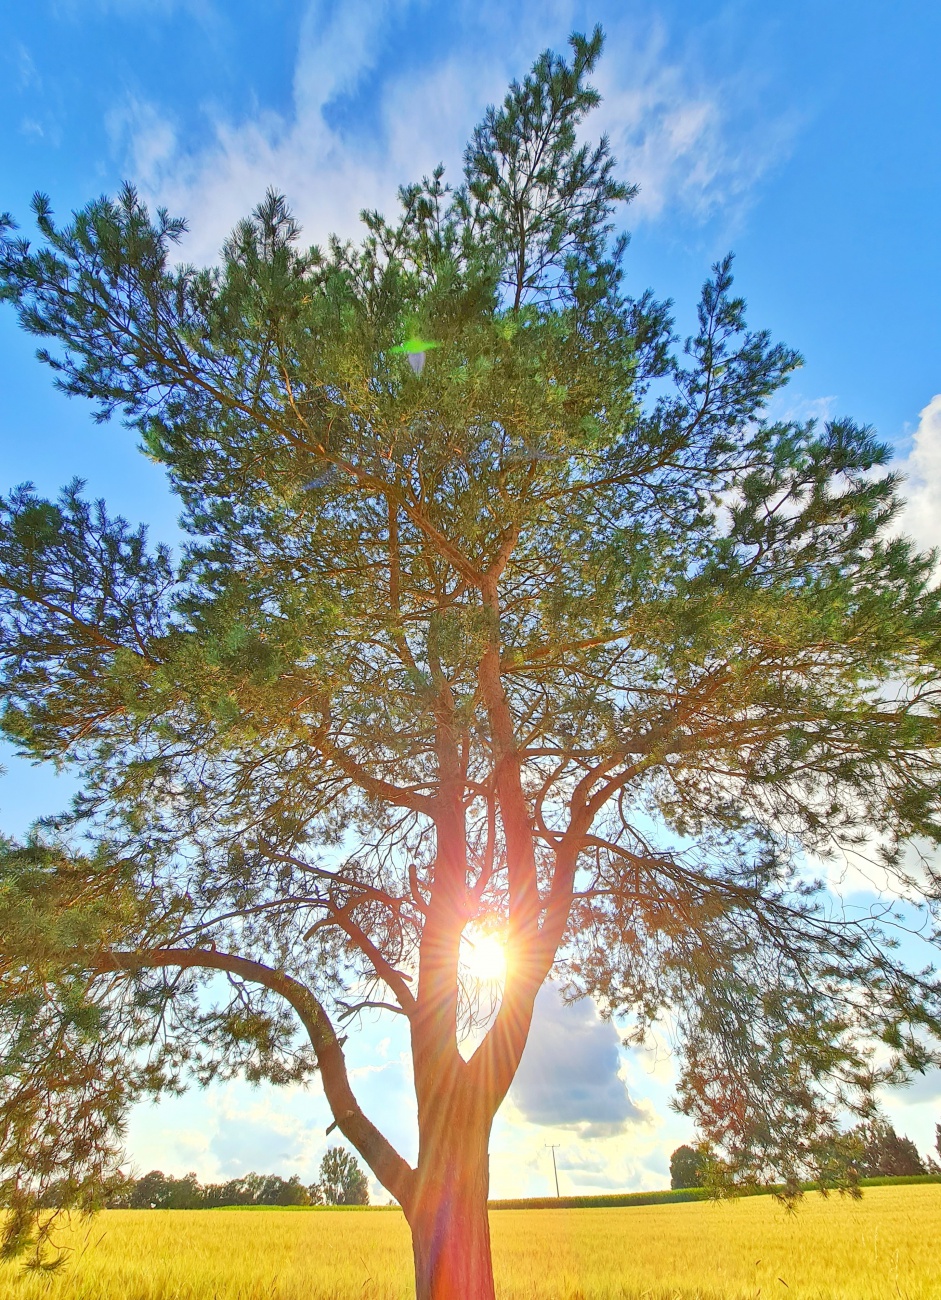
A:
(887, 1245)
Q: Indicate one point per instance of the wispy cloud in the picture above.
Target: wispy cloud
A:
(691, 139)
(28, 77)
(670, 126)
(146, 140)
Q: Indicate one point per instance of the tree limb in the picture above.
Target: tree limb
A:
(393, 1172)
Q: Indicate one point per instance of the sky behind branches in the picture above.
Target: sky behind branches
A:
(805, 137)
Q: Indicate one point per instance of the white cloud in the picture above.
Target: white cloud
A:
(253, 1134)
(679, 134)
(337, 45)
(228, 1129)
(915, 1110)
(327, 180)
(921, 518)
(670, 127)
(569, 1077)
(149, 141)
(789, 406)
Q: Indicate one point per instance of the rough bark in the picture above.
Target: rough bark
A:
(448, 1210)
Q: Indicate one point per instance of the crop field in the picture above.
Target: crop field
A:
(887, 1245)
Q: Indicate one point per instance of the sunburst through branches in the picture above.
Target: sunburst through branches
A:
(482, 975)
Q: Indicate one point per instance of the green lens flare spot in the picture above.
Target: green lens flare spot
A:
(411, 346)
(414, 350)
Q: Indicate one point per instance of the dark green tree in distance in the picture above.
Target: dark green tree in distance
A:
(882, 1153)
(155, 1191)
(548, 633)
(341, 1181)
(687, 1166)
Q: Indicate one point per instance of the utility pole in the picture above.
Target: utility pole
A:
(552, 1147)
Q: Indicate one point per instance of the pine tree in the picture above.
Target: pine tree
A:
(545, 631)
(882, 1153)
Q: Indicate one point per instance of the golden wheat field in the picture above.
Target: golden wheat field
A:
(887, 1245)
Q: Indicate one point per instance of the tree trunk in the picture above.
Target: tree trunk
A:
(448, 1216)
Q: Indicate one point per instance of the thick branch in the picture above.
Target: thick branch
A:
(386, 1163)
(521, 864)
(378, 788)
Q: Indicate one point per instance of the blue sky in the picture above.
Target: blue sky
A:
(805, 137)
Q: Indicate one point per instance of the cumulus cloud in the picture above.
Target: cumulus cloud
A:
(921, 518)
(670, 126)
(229, 1129)
(268, 1142)
(569, 1077)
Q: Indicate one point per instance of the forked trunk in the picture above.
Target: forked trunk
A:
(448, 1219)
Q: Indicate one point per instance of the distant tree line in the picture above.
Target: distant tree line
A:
(159, 1191)
(341, 1182)
(870, 1150)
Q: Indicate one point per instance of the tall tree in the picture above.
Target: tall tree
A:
(342, 1182)
(547, 633)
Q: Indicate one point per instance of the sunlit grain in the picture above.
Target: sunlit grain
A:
(886, 1246)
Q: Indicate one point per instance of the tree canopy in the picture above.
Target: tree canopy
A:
(342, 1182)
(558, 636)
(882, 1153)
(687, 1167)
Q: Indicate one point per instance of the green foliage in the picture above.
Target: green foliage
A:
(880, 1152)
(525, 173)
(677, 1196)
(687, 1167)
(157, 1191)
(567, 638)
(68, 1071)
(342, 1182)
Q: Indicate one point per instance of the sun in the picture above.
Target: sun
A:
(484, 957)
